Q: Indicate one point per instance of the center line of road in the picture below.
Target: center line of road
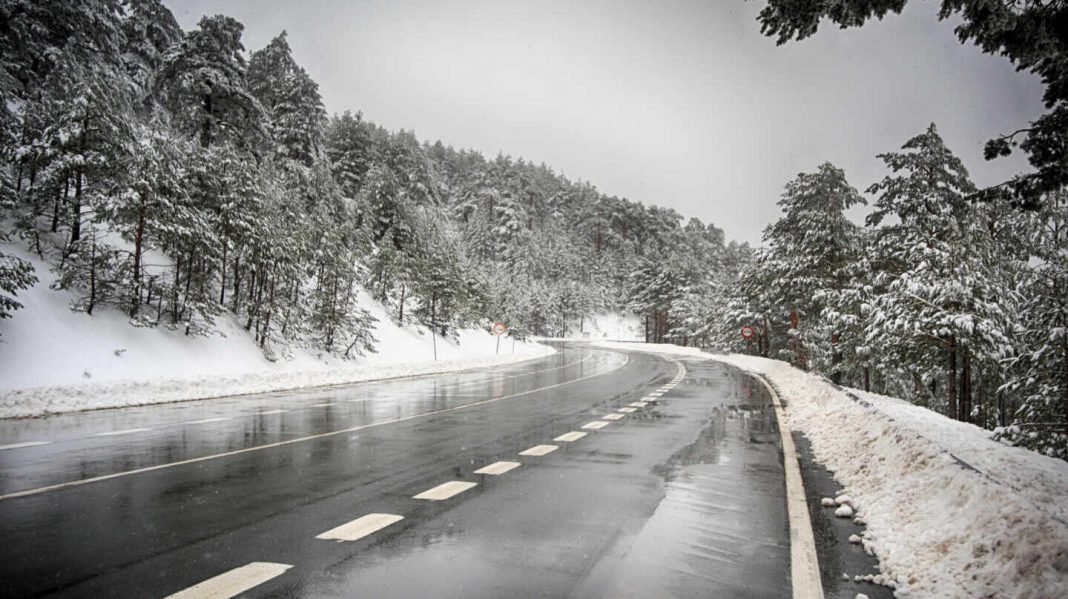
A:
(539, 450)
(234, 582)
(611, 416)
(596, 425)
(343, 431)
(128, 431)
(25, 444)
(361, 527)
(445, 490)
(572, 436)
(498, 468)
(628, 410)
(638, 404)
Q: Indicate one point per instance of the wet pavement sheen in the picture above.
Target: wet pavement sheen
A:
(682, 498)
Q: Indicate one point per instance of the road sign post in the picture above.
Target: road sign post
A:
(499, 329)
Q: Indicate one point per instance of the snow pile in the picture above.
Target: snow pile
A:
(55, 360)
(949, 512)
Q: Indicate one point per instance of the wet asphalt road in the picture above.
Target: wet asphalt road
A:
(683, 497)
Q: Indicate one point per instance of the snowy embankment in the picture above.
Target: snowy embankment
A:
(55, 360)
(949, 512)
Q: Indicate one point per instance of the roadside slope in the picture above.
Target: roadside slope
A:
(55, 360)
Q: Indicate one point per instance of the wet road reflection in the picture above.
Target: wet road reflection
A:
(680, 494)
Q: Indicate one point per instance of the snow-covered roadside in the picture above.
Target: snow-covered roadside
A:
(68, 398)
(949, 512)
(55, 360)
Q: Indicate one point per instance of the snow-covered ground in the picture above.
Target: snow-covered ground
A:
(612, 326)
(949, 512)
(56, 360)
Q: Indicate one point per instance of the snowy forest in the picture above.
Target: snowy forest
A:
(180, 178)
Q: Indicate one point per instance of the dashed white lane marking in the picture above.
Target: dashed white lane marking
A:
(128, 431)
(596, 425)
(207, 420)
(361, 527)
(627, 410)
(445, 490)
(539, 450)
(570, 437)
(25, 444)
(612, 416)
(638, 404)
(656, 394)
(498, 468)
(344, 431)
(321, 405)
(234, 582)
(272, 412)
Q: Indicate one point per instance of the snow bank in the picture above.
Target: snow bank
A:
(949, 512)
(55, 360)
(612, 325)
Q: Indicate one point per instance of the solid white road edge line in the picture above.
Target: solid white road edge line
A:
(539, 450)
(498, 468)
(128, 431)
(234, 582)
(445, 490)
(804, 563)
(344, 431)
(25, 444)
(360, 527)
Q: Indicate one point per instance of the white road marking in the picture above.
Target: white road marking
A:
(596, 425)
(572, 436)
(627, 410)
(25, 444)
(128, 431)
(445, 490)
(656, 394)
(498, 468)
(207, 420)
(234, 582)
(321, 405)
(539, 450)
(612, 416)
(272, 412)
(344, 431)
(638, 404)
(361, 527)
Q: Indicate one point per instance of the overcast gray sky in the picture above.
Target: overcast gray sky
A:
(677, 103)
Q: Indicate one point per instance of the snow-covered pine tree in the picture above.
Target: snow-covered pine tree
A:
(939, 310)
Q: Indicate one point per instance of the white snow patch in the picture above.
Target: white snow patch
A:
(844, 511)
(55, 360)
(949, 512)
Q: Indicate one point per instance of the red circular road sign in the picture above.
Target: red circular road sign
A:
(499, 328)
(747, 332)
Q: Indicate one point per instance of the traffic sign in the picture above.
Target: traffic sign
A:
(747, 332)
(499, 328)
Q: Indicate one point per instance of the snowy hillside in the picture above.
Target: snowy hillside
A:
(949, 512)
(612, 326)
(53, 359)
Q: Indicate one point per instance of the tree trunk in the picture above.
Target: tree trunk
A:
(867, 378)
(92, 277)
(404, 289)
(139, 236)
(966, 385)
(222, 276)
(836, 359)
(951, 381)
